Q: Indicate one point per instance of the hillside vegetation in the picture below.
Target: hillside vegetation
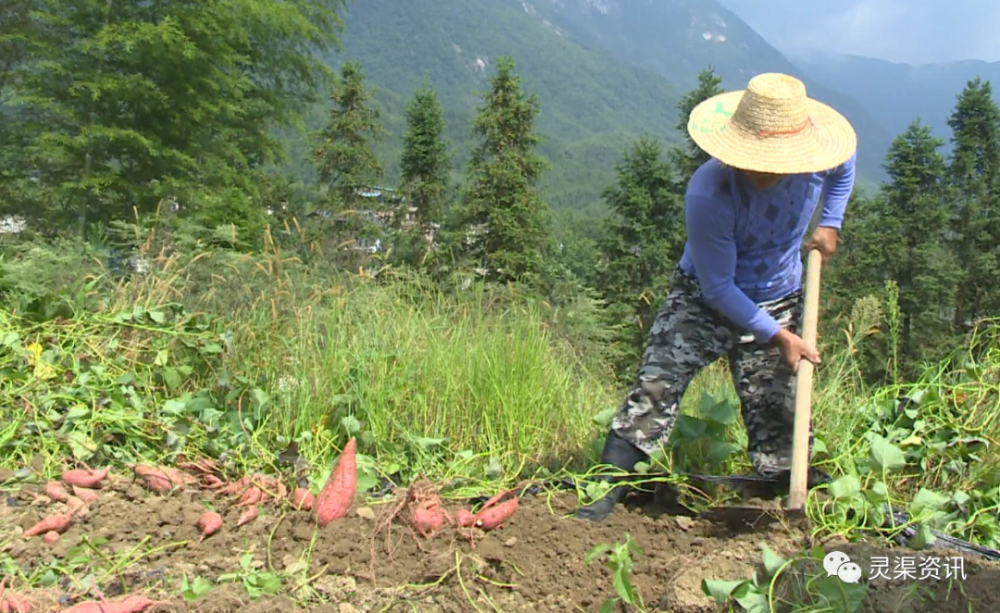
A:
(175, 300)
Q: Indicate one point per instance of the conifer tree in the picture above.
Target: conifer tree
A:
(975, 174)
(347, 163)
(425, 163)
(502, 204)
(688, 160)
(128, 103)
(345, 156)
(914, 211)
(644, 240)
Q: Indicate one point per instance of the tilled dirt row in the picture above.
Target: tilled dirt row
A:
(534, 562)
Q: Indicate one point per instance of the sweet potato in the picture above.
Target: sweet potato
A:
(490, 518)
(209, 523)
(426, 518)
(250, 497)
(236, 486)
(50, 537)
(75, 504)
(56, 523)
(162, 478)
(84, 494)
(303, 499)
(11, 602)
(337, 495)
(56, 492)
(129, 604)
(248, 515)
(85, 477)
(465, 518)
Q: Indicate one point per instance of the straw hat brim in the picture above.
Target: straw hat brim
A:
(826, 142)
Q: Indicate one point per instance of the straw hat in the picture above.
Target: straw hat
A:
(772, 127)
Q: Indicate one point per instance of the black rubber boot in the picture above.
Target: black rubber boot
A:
(623, 455)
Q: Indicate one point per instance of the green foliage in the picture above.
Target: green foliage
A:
(123, 105)
(502, 204)
(347, 164)
(426, 166)
(620, 564)
(687, 161)
(593, 103)
(643, 241)
(425, 160)
(975, 173)
(799, 582)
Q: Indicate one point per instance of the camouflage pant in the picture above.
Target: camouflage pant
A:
(688, 335)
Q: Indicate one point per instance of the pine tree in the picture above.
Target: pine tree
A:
(644, 240)
(912, 216)
(688, 160)
(975, 174)
(345, 156)
(503, 208)
(425, 162)
(128, 103)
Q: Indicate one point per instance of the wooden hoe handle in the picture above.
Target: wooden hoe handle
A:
(804, 385)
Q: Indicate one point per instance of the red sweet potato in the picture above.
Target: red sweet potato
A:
(337, 494)
(163, 478)
(248, 515)
(465, 518)
(235, 487)
(75, 504)
(56, 492)
(209, 523)
(84, 494)
(129, 604)
(50, 537)
(84, 477)
(56, 523)
(250, 497)
(490, 518)
(11, 602)
(303, 499)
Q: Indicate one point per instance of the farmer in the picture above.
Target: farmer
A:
(737, 291)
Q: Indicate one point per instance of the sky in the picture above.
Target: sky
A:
(910, 31)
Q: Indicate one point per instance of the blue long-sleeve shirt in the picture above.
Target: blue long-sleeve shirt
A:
(744, 244)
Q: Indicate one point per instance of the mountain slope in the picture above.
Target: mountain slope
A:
(592, 104)
(678, 38)
(896, 94)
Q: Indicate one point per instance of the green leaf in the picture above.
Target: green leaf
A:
(887, 456)
(691, 428)
(878, 493)
(720, 411)
(818, 447)
(718, 451)
(720, 589)
(172, 378)
(350, 424)
(845, 487)
(82, 446)
(927, 501)
(772, 561)
(923, 538)
(603, 418)
(596, 551)
(624, 587)
(158, 317)
(608, 606)
(77, 413)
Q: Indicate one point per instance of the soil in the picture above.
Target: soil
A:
(532, 563)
